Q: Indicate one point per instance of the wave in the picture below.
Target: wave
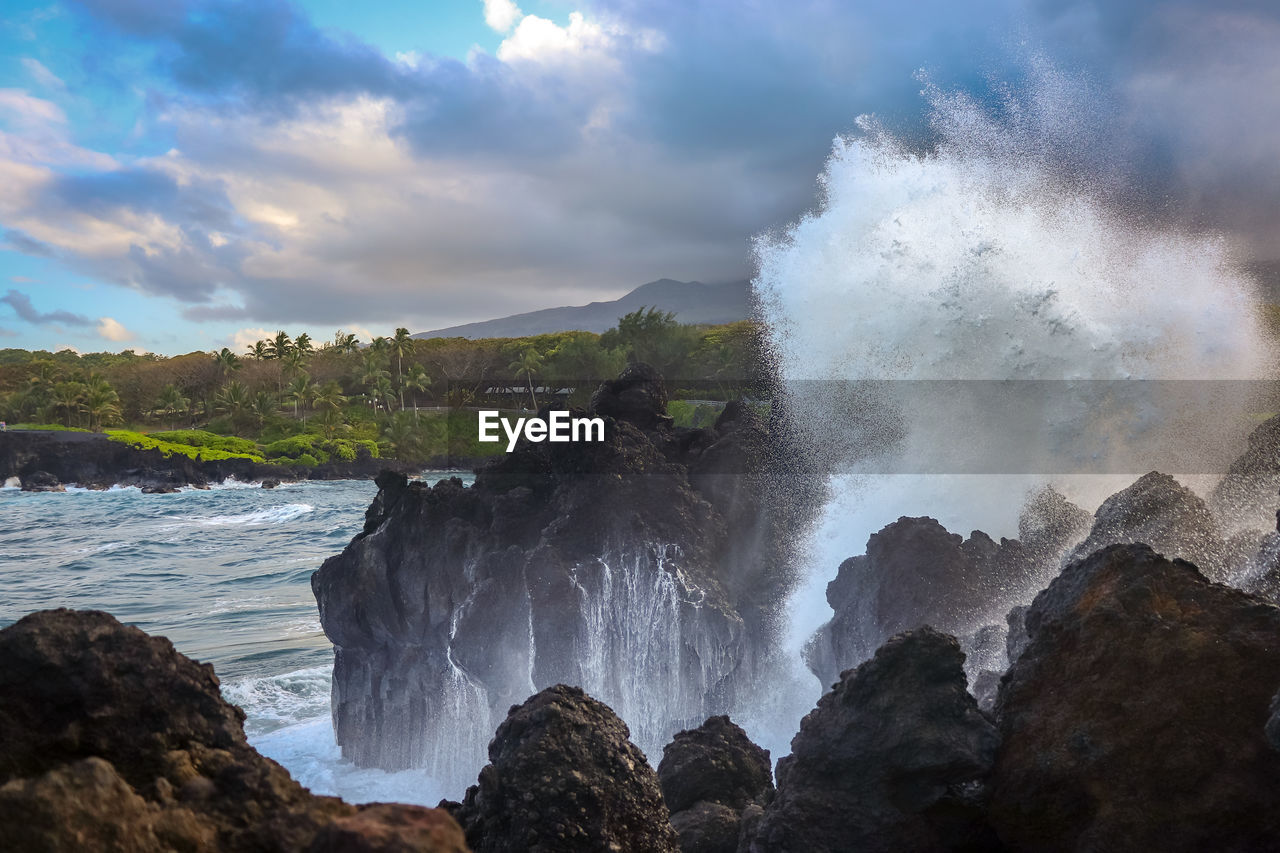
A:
(278, 514)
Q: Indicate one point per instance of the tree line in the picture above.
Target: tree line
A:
(385, 389)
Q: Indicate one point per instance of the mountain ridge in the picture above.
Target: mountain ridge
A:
(690, 301)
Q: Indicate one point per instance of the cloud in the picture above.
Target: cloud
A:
(501, 15)
(21, 305)
(112, 330)
(244, 339)
(310, 178)
(41, 75)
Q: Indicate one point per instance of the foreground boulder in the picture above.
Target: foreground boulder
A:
(1136, 716)
(563, 777)
(891, 760)
(647, 568)
(114, 741)
(710, 775)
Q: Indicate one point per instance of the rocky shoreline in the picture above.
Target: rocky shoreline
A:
(1137, 716)
(51, 460)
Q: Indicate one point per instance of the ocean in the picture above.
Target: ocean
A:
(225, 574)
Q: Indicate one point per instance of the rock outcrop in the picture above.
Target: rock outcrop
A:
(114, 741)
(1159, 511)
(916, 573)
(1246, 497)
(564, 777)
(48, 461)
(1137, 715)
(710, 776)
(646, 569)
(892, 759)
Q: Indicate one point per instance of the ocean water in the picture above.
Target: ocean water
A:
(225, 574)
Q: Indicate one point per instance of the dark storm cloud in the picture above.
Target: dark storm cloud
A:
(21, 305)
(265, 53)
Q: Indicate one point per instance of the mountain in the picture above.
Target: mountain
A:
(690, 301)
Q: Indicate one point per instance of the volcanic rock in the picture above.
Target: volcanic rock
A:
(1136, 716)
(892, 759)
(647, 568)
(114, 741)
(916, 573)
(1246, 496)
(563, 777)
(709, 775)
(1161, 512)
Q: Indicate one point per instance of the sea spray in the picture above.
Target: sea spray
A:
(925, 285)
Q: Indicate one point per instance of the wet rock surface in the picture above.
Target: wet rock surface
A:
(915, 573)
(893, 759)
(644, 568)
(1159, 511)
(1136, 716)
(563, 776)
(709, 776)
(114, 741)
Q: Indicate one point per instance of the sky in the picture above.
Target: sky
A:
(180, 175)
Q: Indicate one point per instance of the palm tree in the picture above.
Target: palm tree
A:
(279, 346)
(300, 390)
(399, 346)
(260, 351)
(233, 398)
(329, 397)
(402, 436)
(101, 403)
(302, 343)
(416, 380)
(171, 402)
(264, 405)
(383, 391)
(373, 370)
(345, 342)
(227, 361)
(528, 364)
(66, 396)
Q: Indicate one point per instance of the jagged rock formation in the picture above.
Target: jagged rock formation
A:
(892, 759)
(564, 777)
(1164, 514)
(1136, 716)
(644, 569)
(114, 741)
(1049, 526)
(916, 573)
(711, 775)
(1246, 497)
(46, 461)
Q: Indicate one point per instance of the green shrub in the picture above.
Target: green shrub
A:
(202, 438)
(308, 460)
(168, 448)
(297, 446)
(56, 427)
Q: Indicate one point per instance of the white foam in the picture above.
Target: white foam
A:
(980, 261)
(271, 515)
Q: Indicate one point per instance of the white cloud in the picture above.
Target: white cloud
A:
(42, 75)
(30, 110)
(541, 40)
(242, 340)
(112, 330)
(501, 15)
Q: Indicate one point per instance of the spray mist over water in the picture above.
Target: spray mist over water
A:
(996, 256)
